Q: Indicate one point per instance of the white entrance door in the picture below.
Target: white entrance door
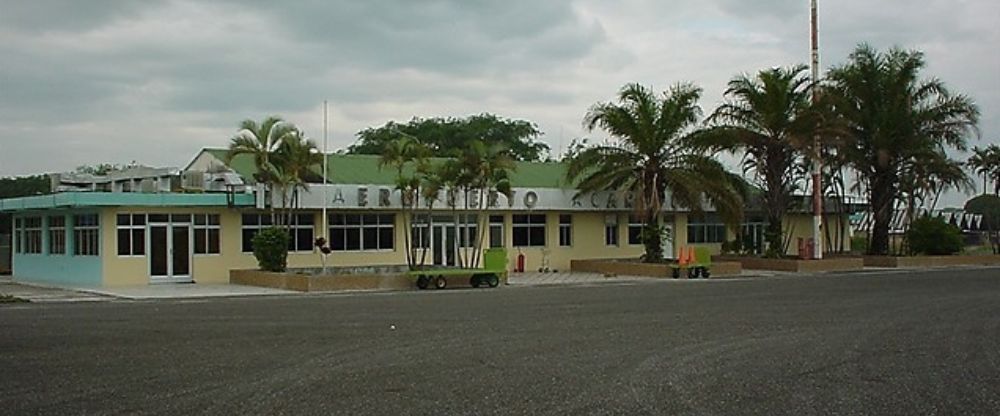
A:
(667, 241)
(170, 250)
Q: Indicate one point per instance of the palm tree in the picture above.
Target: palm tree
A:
(261, 141)
(892, 115)
(293, 168)
(768, 117)
(653, 155)
(406, 150)
(986, 162)
(486, 167)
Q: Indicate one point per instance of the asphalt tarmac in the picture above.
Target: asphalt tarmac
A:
(872, 343)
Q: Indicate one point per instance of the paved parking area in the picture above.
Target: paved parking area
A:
(903, 343)
(41, 294)
(562, 278)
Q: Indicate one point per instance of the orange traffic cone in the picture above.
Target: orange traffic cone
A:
(682, 258)
(690, 256)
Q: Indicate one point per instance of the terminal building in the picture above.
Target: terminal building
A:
(147, 226)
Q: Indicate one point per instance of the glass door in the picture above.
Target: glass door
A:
(170, 248)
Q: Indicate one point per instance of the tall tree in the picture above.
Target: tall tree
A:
(261, 140)
(293, 166)
(398, 154)
(986, 162)
(442, 135)
(768, 118)
(892, 115)
(653, 155)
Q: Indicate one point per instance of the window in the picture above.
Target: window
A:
(565, 230)
(468, 231)
(33, 235)
(496, 231)
(300, 232)
(18, 233)
(635, 225)
(419, 236)
(357, 232)
(611, 230)
(86, 233)
(529, 230)
(705, 229)
(131, 232)
(57, 235)
(252, 223)
(206, 234)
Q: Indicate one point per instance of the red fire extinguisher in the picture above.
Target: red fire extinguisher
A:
(520, 261)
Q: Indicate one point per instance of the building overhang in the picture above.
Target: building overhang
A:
(110, 199)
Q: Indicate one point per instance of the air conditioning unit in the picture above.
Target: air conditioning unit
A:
(194, 180)
(147, 186)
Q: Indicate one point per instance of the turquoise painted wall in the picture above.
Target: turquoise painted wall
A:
(58, 269)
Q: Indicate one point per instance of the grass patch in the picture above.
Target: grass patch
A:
(978, 251)
(5, 298)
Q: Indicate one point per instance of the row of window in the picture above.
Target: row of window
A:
(131, 231)
(348, 232)
(28, 235)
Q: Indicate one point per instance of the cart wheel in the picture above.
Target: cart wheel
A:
(440, 282)
(493, 280)
(676, 274)
(693, 273)
(705, 274)
(474, 281)
(423, 281)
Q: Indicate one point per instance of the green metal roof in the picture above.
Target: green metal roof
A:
(106, 199)
(364, 169)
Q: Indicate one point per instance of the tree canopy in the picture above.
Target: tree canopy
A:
(24, 186)
(442, 136)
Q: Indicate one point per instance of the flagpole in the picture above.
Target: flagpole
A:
(817, 155)
(326, 228)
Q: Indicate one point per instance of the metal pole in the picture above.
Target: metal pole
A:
(326, 228)
(817, 162)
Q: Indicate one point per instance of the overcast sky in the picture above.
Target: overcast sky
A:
(86, 82)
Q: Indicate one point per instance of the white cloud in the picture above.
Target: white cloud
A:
(115, 81)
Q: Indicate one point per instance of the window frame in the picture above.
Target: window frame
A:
(344, 222)
(526, 226)
(90, 233)
(498, 224)
(57, 236)
(612, 233)
(566, 230)
(705, 229)
(133, 230)
(635, 225)
(254, 228)
(207, 226)
(297, 227)
(32, 235)
(18, 235)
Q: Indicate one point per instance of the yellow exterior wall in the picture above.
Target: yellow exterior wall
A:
(587, 243)
(801, 226)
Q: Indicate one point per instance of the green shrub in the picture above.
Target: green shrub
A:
(270, 247)
(933, 236)
(859, 244)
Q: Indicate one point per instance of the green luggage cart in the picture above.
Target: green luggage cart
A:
(494, 267)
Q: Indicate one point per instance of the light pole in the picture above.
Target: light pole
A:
(817, 162)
